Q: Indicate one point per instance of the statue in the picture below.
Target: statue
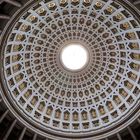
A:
(66, 116)
(93, 113)
(49, 111)
(84, 116)
(75, 116)
(57, 114)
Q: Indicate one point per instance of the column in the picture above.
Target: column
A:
(22, 134)
(3, 116)
(131, 132)
(9, 130)
(118, 136)
(35, 136)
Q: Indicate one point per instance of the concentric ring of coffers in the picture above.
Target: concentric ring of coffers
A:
(102, 93)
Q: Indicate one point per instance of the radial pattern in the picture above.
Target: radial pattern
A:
(105, 91)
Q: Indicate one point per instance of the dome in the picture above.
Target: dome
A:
(70, 69)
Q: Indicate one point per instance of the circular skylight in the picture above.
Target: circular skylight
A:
(74, 57)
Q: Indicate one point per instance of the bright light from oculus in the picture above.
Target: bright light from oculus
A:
(74, 57)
